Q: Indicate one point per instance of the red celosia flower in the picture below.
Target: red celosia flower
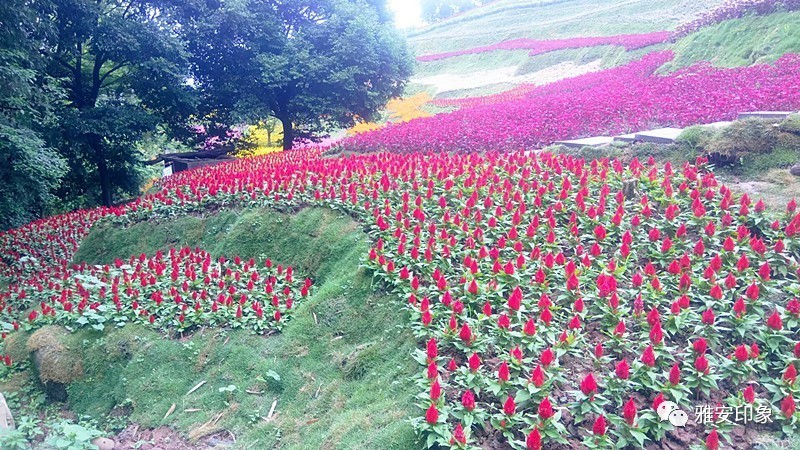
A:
(432, 415)
(712, 441)
(648, 356)
(701, 364)
(537, 376)
(658, 401)
(700, 345)
(620, 329)
(534, 440)
(529, 328)
(675, 374)
(599, 427)
(629, 412)
(468, 400)
(741, 353)
(458, 434)
(708, 317)
(774, 321)
(739, 307)
(509, 407)
(436, 390)
(575, 323)
(466, 333)
(790, 374)
(589, 385)
(432, 349)
(749, 394)
(622, 370)
(546, 409)
(547, 357)
(474, 362)
(788, 406)
(503, 372)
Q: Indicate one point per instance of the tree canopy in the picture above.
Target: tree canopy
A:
(313, 65)
(89, 84)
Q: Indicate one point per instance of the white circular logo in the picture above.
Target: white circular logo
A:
(668, 410)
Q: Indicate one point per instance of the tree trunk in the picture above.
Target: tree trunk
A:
(288, 133)
(102, 170)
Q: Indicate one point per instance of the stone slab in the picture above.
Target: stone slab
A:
(625, 138)
(596, 141)
(717, 125)
(765, 114)
(659, 136)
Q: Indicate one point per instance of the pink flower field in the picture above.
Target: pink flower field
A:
(618, 100)
(537, 47)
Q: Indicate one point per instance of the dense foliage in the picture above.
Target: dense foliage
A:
(313, 65)
(91, 84)
(29, 168)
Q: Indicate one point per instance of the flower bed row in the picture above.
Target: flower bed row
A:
(614, 101)
(540, 46)
(181, 290)
(734, 9)
(549, 306)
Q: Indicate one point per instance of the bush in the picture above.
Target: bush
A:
(742, 138)
(791, 125)
(697, 137)
(54, 360)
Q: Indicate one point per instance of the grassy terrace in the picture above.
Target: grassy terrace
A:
(335, 371)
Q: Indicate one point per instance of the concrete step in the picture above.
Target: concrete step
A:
(596, 141)
(659, 136)
(625, 138)
(717, 125)
(765, 114)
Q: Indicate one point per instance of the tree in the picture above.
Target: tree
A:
(29, 169)
(124, 71)
(435, 10)
(312, 65)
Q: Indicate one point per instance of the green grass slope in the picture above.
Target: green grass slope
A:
(336, 370)
(740, 42)
(547, 19)
(513, 19)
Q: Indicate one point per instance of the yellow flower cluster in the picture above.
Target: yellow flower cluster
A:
(263, 138)
(398, 110)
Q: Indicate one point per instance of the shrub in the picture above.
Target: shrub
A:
(697, 137)
(744, 137)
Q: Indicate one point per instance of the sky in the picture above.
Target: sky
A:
(406, 13)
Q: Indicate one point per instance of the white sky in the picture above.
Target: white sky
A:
(406, 13)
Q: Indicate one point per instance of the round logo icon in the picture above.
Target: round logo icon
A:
(669, 411)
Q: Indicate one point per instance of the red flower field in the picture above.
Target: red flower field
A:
(548, 306)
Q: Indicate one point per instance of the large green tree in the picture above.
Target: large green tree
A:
(29, 170)
(314, 65)
(123, 68)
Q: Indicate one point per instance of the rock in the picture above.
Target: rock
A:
(104, 443)
(6, 419)
(629, 188)
(795, 170)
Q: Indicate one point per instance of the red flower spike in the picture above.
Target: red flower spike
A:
(589, 385)
(648, 356)
(629, 412)
(432, 415)
(534, 440)
(509, 407)
(788, 406)
(468, 400)
(712, 441)
(599, 427)
(546, 409)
